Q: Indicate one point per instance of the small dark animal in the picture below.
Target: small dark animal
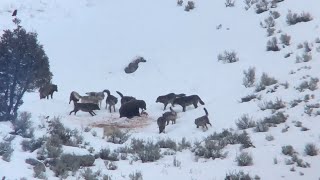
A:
(169, 98)
(47, 90)
(131, 108)
(125, 99)
(14, 12)
(187, 101)
(133, 66)
(170, 116)
(203, 120)
(111, 101)
(161, 124)
(86, 107)
(74, 96)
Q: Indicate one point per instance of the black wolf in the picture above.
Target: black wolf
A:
(131, 108)
(187, 101)
(125, 99)
(161, 124)
(47, 90)
(86, 107)
(169, 98)
(203, 120)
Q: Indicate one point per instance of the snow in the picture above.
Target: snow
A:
(89, 42)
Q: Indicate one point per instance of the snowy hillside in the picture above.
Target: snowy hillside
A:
(90, 42)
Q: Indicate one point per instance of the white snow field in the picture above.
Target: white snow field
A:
(89, 42)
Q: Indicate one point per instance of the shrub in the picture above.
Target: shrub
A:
(311, 149)
(149, 153)
(266, 80)
(300, 163)
(176, 163)
(278, 104)
(285, 39)
(228, 57)
(288, 150)
(249, 98)
(39, 168)
(238, 175)
(229, 3)
(274, 14)
(311, 85)
(88, 174)
(211, 149)
(110, 165)
(268, 22)
(136, 176)
(262, 6)
(190, 6)
(22, 125)
(249, 77)
(306, 57)
(6, 151)
(261, 126)
(272, 45)
(184, 144)
(270, 31)
(277, 118)
(179, 2)
(106, 154)
(244, 159)
(245, 122)
(269, 138)
(33, 144)
(168, 143)
(118, 137)
(294, 18)
(249, 3)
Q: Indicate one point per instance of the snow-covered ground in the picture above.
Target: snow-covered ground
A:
(89, 42)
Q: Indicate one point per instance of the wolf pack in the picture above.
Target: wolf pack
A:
(130, 106)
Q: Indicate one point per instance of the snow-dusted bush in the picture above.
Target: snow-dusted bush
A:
(278, 104)
(136, 176)
(118, 137)
(265, 80)
(294, 18)
(245, 122)
(269, 137)
(106, 154)
(210, 149)
(277, 118)
(268, 22)
(190, 6)
(88, 174)
(33, 144)
(249, 3)
(228, 57)
(311, 149)
(184, 144)
(39, 168)
(249, 98)
(239, 175)
(262, 6)
(306, 57)
(167, 143)
(272, 45)
(300, 162)
(275, 14)
(288, 150)
(244, 159)
(270, 31)
(176, 163)
(22, 125)
(230, 3)
(6, 151)
(311, 85)
(261, 126)
(145, 151)
(285, 39)
(179, 2)
(110, 165)
(249, 77)
(53, 147)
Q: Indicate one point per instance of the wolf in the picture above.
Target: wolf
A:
(187, 101)
(170, 116)
(133, 66)
(203, 120)
(111, 101)
(131, 108)
(74, 96)
(125, 99)
(86, 107)
(161, 124)
(47, 90)
(169, 98)
(99, 95)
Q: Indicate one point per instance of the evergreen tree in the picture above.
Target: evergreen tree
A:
(24, 67)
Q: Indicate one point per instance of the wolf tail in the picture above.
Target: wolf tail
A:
(107, 91)
(205, 110)
(120, 94)
(201, 102)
